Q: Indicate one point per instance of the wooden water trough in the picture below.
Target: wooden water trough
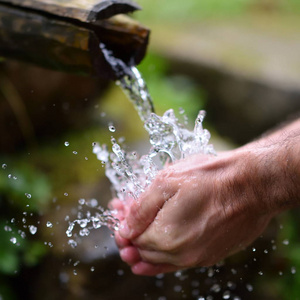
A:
(65, 34)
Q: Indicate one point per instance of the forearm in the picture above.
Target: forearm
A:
(276, 164)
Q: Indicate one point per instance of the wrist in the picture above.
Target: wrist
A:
(274, 163)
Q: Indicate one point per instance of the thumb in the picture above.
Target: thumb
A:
(142, 212)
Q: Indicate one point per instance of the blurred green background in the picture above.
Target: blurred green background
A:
(221, 56)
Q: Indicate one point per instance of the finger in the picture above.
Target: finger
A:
(130, 255)
(117, 209)
(116, 204)
(142, 212)
(147, 269)
(158, 257)
(121, 242)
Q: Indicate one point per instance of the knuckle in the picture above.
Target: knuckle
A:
(168, 245)
(136, 215)
(165, 183)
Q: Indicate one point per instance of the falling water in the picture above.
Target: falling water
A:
(130, 173)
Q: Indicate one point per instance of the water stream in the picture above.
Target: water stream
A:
(131, 173)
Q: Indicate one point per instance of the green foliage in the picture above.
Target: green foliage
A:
(35, 251)
(17, 182)
(9, 253)
(5, 291)
(180, 10)
(195, 10)
(290, 282)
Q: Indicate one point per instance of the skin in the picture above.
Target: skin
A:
(202, 209)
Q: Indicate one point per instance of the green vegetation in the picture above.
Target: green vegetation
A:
(189, 11)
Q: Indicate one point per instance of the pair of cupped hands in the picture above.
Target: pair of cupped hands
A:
(196, 212)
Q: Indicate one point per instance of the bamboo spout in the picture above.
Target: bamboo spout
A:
(65, 35)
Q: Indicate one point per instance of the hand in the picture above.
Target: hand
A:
(202, 209)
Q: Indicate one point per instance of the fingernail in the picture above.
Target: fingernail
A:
(124, 230)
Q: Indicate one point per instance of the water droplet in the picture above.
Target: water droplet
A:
(120, 272)
(72, 243)
(280, 273)
(75, 272)
(231, 285)
(81, 201)
(210, 272)
(249, 287)
(32, 229)
(66, 194)
(260, 273)
(63, 277)
(84, 232)
(28, 195)
(49, 224)
(9, 176)
(293, 270)
(177, 274)
(15, 177)
(93, 203)
(253, 249)
(266, 251)
(4, 166)
(285, 242)
(216, 288)
(66, 143)
(111, 128)
(7, 228)
(226, 295)
(13, 240)
(75, 152)
(177, 288)
(76, 263)
(92, 269)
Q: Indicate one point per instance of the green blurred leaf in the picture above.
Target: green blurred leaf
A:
(25, 186)
(6, 292)
(34, 252)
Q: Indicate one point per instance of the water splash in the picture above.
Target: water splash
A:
(90, 216)
(130, 173)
